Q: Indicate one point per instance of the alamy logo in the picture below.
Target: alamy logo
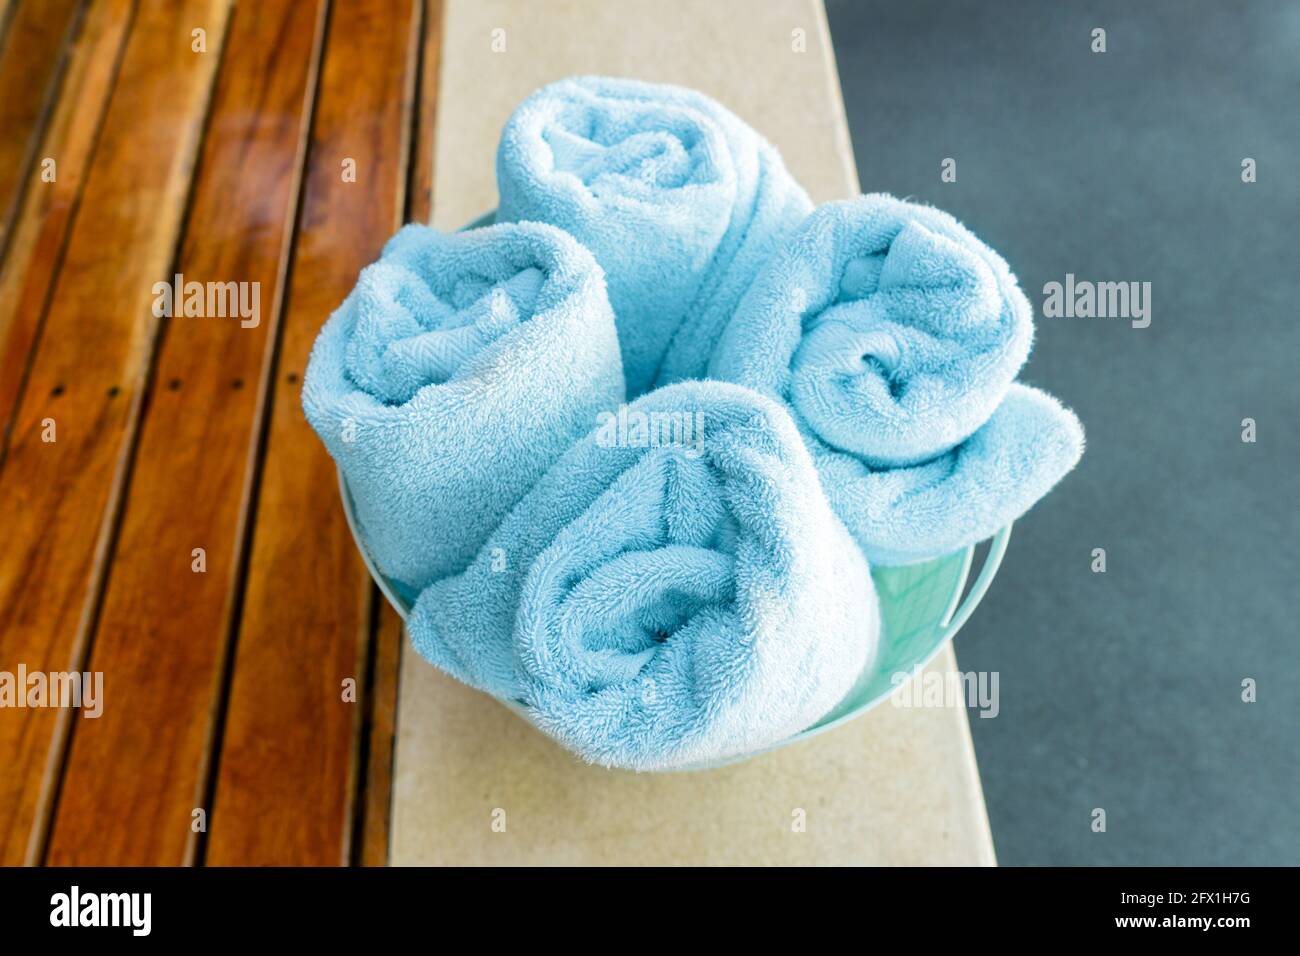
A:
(56, 689)
(75, 908)
(212, 300)
(976, 690)
(638, 429)
(1101, 300)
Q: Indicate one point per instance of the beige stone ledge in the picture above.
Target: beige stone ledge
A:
(898, 786)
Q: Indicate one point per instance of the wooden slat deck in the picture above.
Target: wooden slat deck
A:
(182, 534)
(189, 480)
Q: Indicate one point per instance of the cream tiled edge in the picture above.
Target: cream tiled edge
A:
(898, 786)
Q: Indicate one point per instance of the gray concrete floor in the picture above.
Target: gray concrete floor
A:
(1123, 690)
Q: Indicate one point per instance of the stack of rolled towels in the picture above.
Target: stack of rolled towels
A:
(632, 450)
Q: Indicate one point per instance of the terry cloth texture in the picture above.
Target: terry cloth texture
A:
(674, 590)
(679, 200)
(459, 368)
(894, 335)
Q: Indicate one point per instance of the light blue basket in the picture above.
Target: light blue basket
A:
(921, 608)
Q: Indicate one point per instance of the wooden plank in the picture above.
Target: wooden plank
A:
(288, 766)
(41, 230)
(31, 62)
(58, 499)
(163, 628)
(895, 786)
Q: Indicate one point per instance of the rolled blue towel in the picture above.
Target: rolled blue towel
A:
(892, 328)
(908, 514)
(459, 368)
(680, 201)
(893, 334)
(674, 590)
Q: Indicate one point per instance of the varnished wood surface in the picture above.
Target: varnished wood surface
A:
(32, 55)
(291, 732)
(161, 616)
(182, 534)
(35, 247)
(86, 377)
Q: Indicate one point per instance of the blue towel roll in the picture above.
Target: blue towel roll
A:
(679, 200)
(674, 590)
(892, 328)
(893, 334)
(459, 368)
(909, 514)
